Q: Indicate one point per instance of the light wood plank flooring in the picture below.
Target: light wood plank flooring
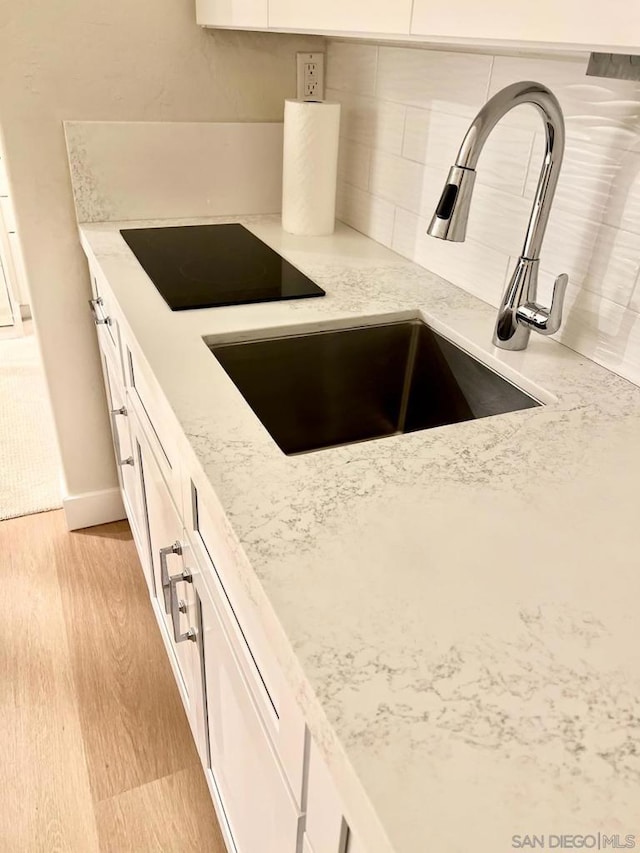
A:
(95, 749)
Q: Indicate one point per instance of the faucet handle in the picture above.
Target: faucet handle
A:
(546, 321)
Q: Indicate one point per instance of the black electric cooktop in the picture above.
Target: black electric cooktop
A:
(203, 266)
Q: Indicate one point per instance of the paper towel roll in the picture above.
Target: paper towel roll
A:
(310, 166)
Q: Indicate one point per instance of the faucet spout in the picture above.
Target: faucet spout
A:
(516, 316)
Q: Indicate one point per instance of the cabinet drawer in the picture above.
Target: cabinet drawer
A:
(106, 321)
(123, 448)
(150, 409)
(174, 598)
(263, 675)
(259, 807)
(326, 828)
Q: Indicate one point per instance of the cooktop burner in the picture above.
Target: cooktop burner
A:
(203, 266)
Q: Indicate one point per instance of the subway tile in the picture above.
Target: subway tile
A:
(369, 215)
(370, 122)
(353, 163)
(634, 302)
(603, 331)
(597, 110)
(397, 180)
(610, 271)
(476, 268)
(433, 79)
(588, 176)
(615, 265)
(498, 219)
(623, 209)
(351, 67)
(569, 245)
(433, 138)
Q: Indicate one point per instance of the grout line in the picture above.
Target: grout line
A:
(369, 167)
(636, 287)
(404, 133)
(486, 97)
(375, 72)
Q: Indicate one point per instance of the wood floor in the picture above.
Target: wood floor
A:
(95, 749)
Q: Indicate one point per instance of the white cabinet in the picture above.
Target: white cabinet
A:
(126, 462)
(326, 830)
(616, 23)
(174, 598)
(241, 14)
(258, 803)
(376, 16)
(6, 313)
(552, 23)
(249, 731)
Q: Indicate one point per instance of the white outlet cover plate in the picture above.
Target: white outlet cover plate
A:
(302, 60)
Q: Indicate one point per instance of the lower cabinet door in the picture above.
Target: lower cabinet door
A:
(326, 829)
(258, 804)
(174, 597)
(126, 460)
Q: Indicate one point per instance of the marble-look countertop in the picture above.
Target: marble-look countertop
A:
(456, 609)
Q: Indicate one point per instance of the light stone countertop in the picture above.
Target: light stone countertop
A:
(457, 608)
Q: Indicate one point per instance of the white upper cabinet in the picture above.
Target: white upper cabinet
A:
(612, 25)
(241, 14)
(355, 16)
(615, 23)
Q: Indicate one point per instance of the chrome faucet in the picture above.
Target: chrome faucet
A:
(518, 313)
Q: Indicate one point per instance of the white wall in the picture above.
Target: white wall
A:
(405, 112)
(111, 60)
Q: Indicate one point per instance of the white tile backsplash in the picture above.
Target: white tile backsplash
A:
(366, 213)
(596, 109)
(370, 122)
(354, 161)
(623, 209)
(433, 138)
(433, 79)
(397, 180)
(405, 111)
(478, 269)
(352, 68)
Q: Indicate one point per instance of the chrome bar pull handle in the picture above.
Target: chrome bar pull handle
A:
(176, 548)
(179, 606)
(116, 437)
(99, 321)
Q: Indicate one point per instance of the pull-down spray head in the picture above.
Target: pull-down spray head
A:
(449, 222)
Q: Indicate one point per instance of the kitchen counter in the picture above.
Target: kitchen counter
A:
(456, 609)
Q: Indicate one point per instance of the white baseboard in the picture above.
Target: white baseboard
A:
(91, 508)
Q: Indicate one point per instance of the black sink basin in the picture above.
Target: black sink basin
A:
(338, 387)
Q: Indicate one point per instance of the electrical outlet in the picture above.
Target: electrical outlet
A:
(310, 76)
